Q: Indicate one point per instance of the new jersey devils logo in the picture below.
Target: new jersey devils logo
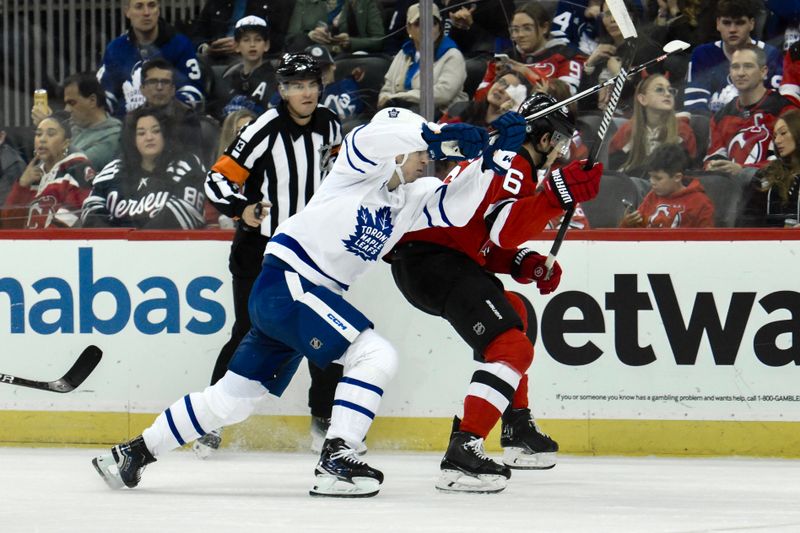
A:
(545, 70)
(750, 145)
(666, 216)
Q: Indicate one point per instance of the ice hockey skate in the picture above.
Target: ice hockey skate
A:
(123, 467)
(208, 444)
(319, 430)
(340, 474)
(466, 467)
(525, 446)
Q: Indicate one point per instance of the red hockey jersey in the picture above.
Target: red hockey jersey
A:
(556, 61)
(744, 134)
(511, 213)
(688, 208)
(790, 85)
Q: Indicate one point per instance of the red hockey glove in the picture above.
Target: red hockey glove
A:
(528, 266)
(570, 184)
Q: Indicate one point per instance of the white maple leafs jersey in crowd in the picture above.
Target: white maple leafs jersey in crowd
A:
(353, 219)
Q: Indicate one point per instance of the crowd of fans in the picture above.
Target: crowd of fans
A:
(129, 145)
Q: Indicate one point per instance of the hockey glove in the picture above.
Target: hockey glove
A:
(455, 141)
(528, 266)
(570, 184)
(510, 129)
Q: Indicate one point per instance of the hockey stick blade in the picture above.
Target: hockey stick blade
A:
(622, 18)
(87, 361)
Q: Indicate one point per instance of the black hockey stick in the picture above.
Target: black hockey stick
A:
(628, 30)
(86, 362)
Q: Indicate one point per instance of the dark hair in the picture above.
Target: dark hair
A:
(537, 13)
(780, 174)
(737, 8)
(131, 158)
(668, 157)
(63, 119)
(88, 85)
(159, 63)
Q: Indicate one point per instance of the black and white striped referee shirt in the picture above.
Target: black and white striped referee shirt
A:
(276, 159)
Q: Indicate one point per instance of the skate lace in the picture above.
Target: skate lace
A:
(476, 445)
(537, 429)
(349, 455)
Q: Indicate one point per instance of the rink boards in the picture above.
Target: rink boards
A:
(671, 342)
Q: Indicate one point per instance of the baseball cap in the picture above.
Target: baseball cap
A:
(320, 53)
(251, 23)
(412, 15)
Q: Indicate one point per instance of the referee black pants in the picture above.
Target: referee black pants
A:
(247, 253)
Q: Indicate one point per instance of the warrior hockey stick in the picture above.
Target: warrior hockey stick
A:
(626, 27)
(86, 362)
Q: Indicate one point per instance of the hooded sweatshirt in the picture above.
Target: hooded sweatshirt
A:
(688, 208)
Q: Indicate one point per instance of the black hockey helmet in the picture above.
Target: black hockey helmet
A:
(299, 66)
(251, 23)
(559, 120)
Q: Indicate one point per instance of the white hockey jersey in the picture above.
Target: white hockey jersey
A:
(353, 219)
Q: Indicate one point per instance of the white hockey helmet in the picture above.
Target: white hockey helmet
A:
(390, 115)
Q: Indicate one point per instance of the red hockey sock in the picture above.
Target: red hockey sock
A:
(520, 400)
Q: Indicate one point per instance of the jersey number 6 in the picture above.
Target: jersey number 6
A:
(513, 181)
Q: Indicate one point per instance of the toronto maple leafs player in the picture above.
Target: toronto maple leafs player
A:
(372, 196)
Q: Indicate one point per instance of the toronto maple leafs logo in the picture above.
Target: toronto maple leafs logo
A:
(370, 234)
(393, 113)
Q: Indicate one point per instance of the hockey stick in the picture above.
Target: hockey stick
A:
(625, 24)
(86, 362)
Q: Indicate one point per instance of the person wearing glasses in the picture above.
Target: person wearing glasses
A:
(653, 123)
(536, 54)
(149, 37)
(159, 92)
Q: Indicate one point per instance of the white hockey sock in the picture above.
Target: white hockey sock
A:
(369, 364)
(231, 400)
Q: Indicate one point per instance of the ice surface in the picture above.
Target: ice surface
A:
(58, 490)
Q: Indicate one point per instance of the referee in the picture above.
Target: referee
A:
(267, 174)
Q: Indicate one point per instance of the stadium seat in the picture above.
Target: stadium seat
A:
(374, 67)
(476, 68)
(726, 195)
(588, 124)
(606, 210)
(700, 126)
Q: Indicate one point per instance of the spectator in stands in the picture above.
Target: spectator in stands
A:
(741, 132)
(477, 27)
(653, 123)
(194, 131)
(578, 21)
(790, 85)
(153, 185)
(343, 25)
(94, 132)
(506, 94)
(708, 87)
(673, 19)
(11, 165)
(148, 37)
(402, 83)
(606, 60)
(774, 194)
(535, 54)
(672, 202)
(253, 77)
(53, 185)
(212, 32)
(343, 97)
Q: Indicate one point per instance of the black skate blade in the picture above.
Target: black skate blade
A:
(342, 495)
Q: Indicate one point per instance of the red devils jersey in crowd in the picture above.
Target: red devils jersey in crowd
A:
(688, 208)
(511, 213)
(557, 60)
(790, 86)
(744, 134)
